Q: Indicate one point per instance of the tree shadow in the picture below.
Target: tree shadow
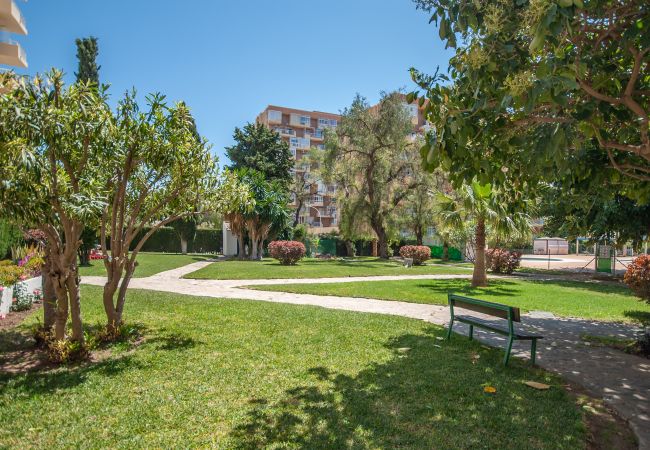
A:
(642, 317)
(429, 394)
(502, 288)
(172, 341)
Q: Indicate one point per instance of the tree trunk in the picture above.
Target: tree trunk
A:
(350, 248)
(296, 217)
(260, 250)
(183, 245)
(61, 316)
(479, 278)
(445, 251)
(253, 255)
(49, 296)
(418, 235)
(84, 256)
(241, 247)
(75, 306)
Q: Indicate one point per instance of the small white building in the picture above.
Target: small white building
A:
(550, 246)
(229, 241)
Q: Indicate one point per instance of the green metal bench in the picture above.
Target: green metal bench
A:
(509, 313)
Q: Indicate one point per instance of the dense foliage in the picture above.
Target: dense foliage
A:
(287, 252)
(500, 260)
(535, 82)
(637, 277)
(371, 159)
(261, 149)
(419, 253)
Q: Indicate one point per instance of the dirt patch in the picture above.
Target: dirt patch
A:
(14, 319)
(605, 429)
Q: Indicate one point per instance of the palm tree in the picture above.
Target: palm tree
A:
(484, 208)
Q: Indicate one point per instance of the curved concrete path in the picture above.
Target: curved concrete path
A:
(622, 380)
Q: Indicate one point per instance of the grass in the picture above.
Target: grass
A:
(315, 268)
(242, 374)
(148, 264)
(589, 300)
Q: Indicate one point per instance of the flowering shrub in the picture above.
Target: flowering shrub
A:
(637, 277)
(22, 300)
(10, 274)
(499, 260)
(287, 252)
(419, 253)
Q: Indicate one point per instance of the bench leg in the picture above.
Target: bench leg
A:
(533, 351)
(508, 350)
(471, 332)
(451, 324)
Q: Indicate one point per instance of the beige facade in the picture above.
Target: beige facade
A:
(304, 132)
(11, 21)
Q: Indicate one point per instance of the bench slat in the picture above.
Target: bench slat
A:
(483, 307)
(519, 334)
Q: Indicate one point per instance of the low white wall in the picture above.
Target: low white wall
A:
(7, 293)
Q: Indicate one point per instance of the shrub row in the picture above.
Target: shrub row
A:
(165, 239)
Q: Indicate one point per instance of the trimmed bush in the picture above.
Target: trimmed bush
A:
(419, 253)
(166, 240)
(637, 277)
(287, 252)
(499, 260)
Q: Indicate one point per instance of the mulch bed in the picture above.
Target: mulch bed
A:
(14, 319)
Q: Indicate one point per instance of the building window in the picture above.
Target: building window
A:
(412, 110)
(274, 116)
(305, 120)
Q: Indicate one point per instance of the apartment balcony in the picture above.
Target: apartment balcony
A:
(11, 20)
(285, 131)
(12, 54)
(315, 135)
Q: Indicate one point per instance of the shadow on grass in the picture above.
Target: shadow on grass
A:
(463, 287)
(642, 317)
(429, 394)
(25, 368)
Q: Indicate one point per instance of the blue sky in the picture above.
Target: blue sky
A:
(229, 59)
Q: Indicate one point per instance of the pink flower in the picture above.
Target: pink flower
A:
(14, 300)
(2, 288)
(23, 277)
(2, 316)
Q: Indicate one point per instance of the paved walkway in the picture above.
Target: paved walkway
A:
(622, 380)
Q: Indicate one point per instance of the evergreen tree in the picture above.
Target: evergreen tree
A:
(87, 51)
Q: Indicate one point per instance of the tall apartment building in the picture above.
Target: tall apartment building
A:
(304, 131)
(11, 22)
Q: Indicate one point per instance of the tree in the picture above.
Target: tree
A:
(371, 158)
(186, 230)
(419, 209)
(159, 172)
(269, 214)
(87, 51)
(487, 210)
(260, 148)
(53, 152)
(534, 82)
(88, 72)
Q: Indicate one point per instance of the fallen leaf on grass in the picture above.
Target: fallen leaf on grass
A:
(536, 385)
(490, 390)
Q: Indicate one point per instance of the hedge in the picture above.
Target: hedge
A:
(165, 239)
(454, 253)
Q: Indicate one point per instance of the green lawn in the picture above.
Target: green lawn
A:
(242, 374)
(315, 268)
(564, 298)
(148, 264)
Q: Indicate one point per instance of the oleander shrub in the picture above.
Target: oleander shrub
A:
(499, 260)
(419, 253)
(23, 299)
(287, 252)
(637, 277)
